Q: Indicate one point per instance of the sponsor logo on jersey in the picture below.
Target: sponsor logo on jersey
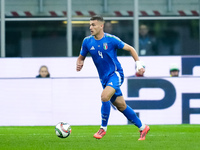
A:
(92, 48)
(105, 46)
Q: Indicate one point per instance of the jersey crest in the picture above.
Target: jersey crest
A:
(105, 46)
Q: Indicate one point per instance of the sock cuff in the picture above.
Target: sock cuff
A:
(105, 128)
(142, 127)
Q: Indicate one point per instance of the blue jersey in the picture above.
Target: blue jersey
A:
(104, 54)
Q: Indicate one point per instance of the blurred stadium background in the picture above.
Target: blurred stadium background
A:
(49, 32)
(33, 26)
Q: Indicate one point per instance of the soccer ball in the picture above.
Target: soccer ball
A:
(63, 130)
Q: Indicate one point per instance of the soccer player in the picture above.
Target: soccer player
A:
(102, 47)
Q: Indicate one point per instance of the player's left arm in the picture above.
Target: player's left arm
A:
(133, 53)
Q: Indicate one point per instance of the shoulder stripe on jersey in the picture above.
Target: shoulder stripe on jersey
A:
(88, 37)
(113, 36)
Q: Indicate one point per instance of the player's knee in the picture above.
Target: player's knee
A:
(104, 98)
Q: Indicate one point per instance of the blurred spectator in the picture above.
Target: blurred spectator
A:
(169, 42)
(174, 70)
(43, 72)
(108, 27)
(147, 43)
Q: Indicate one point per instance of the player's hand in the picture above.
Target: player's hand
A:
(79, 65)
(140, 69)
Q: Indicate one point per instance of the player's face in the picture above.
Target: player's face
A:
(95, 27)
(43, 72)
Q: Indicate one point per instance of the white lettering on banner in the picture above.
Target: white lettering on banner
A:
(48, 101)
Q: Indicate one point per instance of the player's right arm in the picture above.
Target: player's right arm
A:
(83, 54)
(80, 62)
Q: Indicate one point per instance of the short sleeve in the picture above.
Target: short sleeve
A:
(119, 44)
(84, 49)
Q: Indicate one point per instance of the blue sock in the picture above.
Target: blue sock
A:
(131, 116)
(105, 112)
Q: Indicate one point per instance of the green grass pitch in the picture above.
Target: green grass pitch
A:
(123, 137)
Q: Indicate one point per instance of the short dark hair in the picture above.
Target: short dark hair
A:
(97, 17)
